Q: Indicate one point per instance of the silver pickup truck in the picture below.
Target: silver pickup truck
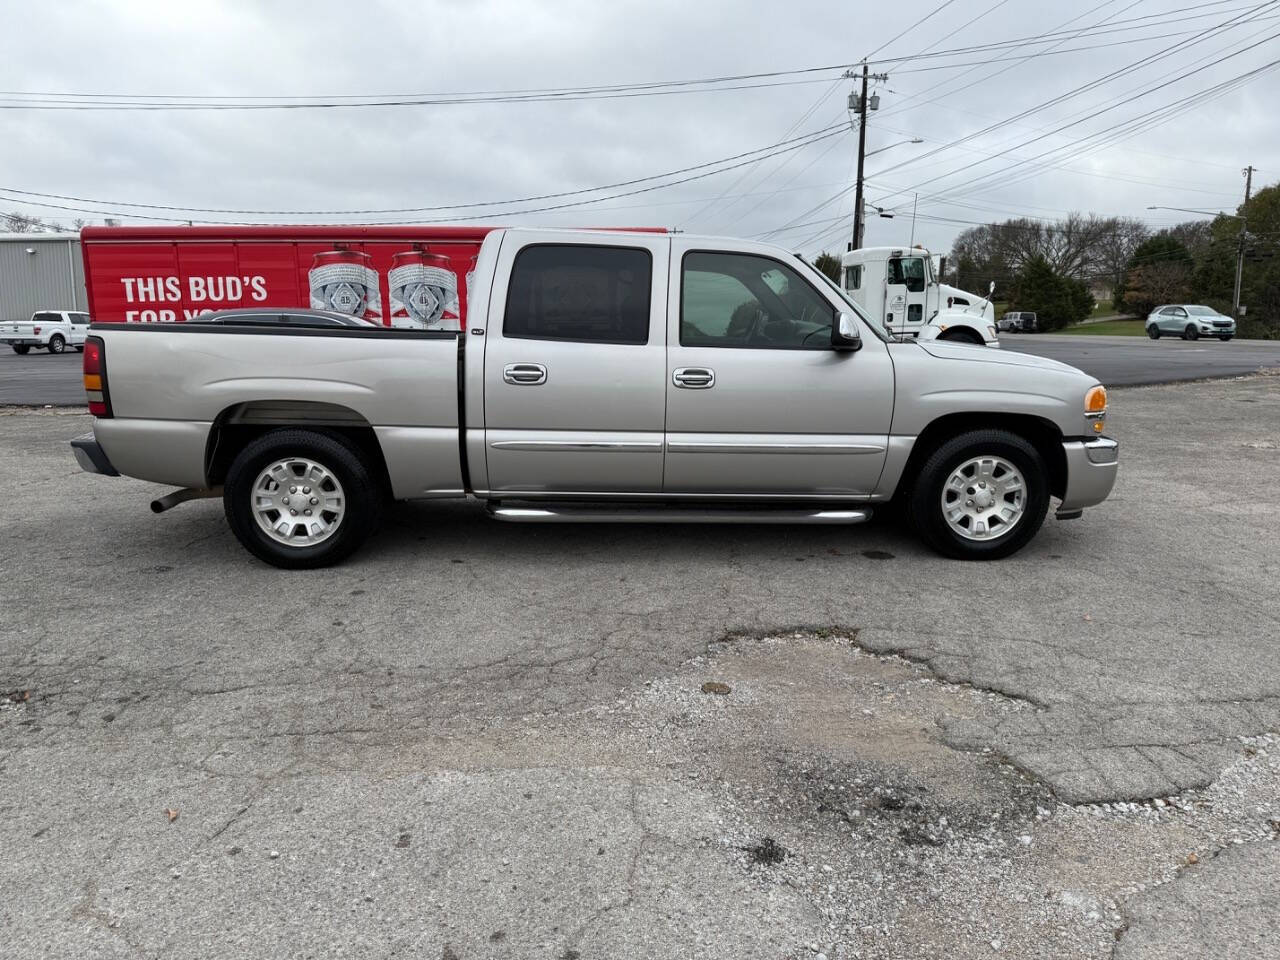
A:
(600, 377)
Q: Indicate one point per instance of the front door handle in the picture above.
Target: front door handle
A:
(694, 378)
(525, 374)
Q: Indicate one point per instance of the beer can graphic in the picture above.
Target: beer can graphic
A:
(344, 281)
(424, 292)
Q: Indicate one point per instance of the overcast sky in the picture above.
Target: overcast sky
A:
(418, 156)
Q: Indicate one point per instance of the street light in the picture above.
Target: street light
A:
(892, 145)
(1207, 213)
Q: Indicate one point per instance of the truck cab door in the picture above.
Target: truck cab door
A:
(759, 404)
(79, 328)
(574, 365)
(905, 286)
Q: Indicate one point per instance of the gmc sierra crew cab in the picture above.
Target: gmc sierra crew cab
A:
(600, 377)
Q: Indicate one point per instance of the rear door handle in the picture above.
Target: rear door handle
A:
(525, 374)
(694, 378)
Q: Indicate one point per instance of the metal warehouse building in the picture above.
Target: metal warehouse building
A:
(40, 271)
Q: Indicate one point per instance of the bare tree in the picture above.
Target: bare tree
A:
(1081, 246)
(1195, 235)
(1117, 247)
(16, 222)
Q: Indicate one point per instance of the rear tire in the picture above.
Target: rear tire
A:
(1191, 333)
(22, 349)
(1153, 332)
(57, 344)
(982, 539)
(346, 498)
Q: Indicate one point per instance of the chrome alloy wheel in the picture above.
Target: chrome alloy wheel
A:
(298, 502)
(984, 498)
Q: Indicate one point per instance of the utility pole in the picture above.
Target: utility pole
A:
(862, 105)
(1244, 213)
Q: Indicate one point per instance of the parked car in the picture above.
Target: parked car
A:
(272, 317)
(55, 330)
(1189, 321)
(601, 377)
(1015, 321)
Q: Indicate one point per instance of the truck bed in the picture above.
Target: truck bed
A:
(201, 379)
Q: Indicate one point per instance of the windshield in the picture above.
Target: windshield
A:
(876, 327)
(1201, 312)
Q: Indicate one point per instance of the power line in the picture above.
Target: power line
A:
(485, 216)
(33, 100)
(1138, 123)
(803, 141)
(938, 9)
(1077, 90)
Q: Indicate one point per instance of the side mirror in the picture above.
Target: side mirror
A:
(991, 289)
(844, 334)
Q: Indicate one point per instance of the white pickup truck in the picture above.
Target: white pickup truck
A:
(599, 377)
(54, 330)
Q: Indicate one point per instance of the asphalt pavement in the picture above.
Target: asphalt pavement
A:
(1136, 361)
(40, 378)
(486, 740)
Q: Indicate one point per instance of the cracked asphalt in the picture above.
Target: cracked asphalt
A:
(482, 740)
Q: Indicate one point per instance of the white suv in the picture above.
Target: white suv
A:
(55, 330)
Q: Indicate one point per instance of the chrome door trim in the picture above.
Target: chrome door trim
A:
(688, 446)
(613, 446)
(694, 378)
(525, 374)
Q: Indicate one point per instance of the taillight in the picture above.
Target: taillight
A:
(95, 377)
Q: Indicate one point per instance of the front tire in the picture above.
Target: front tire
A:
(57, 344)
(980, 496)
(1153, 332)
(1191, 333)
(963, 336)
(22, 349)
(301, 499)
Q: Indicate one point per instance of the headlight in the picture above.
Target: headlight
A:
(1095, 407)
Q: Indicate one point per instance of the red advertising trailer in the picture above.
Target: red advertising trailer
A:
(402, 276)
(398, 276)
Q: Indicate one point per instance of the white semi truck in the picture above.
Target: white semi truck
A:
(898, 286)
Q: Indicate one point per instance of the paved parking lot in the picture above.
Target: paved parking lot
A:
(40, 378)
(480, 740)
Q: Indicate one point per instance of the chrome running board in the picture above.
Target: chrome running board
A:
(609, 514)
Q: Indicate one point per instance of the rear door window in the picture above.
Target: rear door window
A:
(588, 294)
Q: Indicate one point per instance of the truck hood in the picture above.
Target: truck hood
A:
(946, 350)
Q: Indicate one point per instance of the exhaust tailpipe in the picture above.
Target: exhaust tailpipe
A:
(171, 500)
